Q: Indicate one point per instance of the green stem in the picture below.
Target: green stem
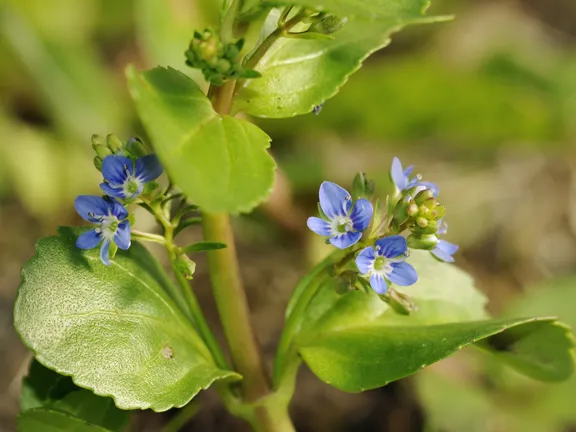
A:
(182, 417)
(281, 31)
(233, 307)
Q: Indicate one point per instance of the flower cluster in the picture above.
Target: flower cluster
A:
(127, 173)
(414, 220)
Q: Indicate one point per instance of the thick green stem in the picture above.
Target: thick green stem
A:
(233, 307)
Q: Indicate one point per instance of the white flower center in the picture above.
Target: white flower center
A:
(108, 227)
(131, 186)
(341, 225)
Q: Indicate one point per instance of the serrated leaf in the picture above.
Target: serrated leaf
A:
(360, 358)
(46, 420)
(298, 75)
(44, 388)
(113, 329)
(219, 162)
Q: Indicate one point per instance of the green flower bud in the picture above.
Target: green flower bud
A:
(412, 210)
(423, 196)
(114, 143)
(223, 65)
(101, 150)
(185, 266)
(400, 302)
(401, 211)
(424, 211)
(421, 222)
(98, 163)
(98, 140)
(427, 242)
(328, 24)
(430, 227)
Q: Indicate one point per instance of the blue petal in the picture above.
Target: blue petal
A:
(334, 200)
(117, 192)
(361, 214)
(397, 173)
(402, 274)
(444, 251)
(88, 240)
(117, 209)
(114, 168)
(319, 226)
(442, 227)
(105, 252)
(432, 186)
(392, 246)
(343, 241)
(408, 171)
(148, 168)
(378, 283)
(365, 259)
(87, 205)
(122, 235)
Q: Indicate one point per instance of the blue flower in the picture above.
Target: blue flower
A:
(125, 178)
(110, 217)
(444, 251)
(385, 262)
(401, 178)
(346, 222)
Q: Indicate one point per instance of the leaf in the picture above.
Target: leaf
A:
(46, 420)
(44, 388)
(219, 162)
(113, 329)
(366, 357)
(356, 341)
(373, 10)
(298, 74)
(203, 246)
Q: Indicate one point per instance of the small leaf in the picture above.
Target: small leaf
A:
(110, 327)
(44, 388)
(219, 162)
(203, 246)
(47, 420)
(298, 74)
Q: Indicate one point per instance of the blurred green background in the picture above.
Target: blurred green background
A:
(484, 105)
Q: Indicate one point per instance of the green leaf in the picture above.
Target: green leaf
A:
(298, 74)
(377, 10)
(360, 358)
(113, 329)
(46, 420)
(203, 246)
(44, 388)
(219, 162)
(356, 341)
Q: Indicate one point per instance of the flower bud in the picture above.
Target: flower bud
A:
(427, 242)
(412, 210)
(185, 266)
(98, 163)
(422, 222)
(423, 196)
(114, 143)
(430, 227)
(101, 150)
(328, 24)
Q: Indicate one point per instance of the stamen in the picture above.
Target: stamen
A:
(90, 214)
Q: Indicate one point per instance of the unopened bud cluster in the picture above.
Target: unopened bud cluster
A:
(218, 61)
(111, 145)
(421, 213)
